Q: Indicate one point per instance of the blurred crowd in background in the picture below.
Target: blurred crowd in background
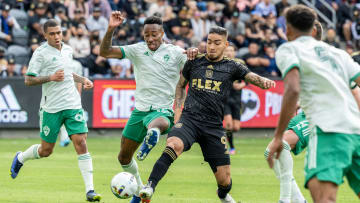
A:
(256, 28)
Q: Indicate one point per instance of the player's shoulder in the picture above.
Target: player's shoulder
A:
(42, 48)
(356, 56)
(235, 60)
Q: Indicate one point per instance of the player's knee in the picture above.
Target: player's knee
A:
(224, 189)
(358, 195)
(124, 158)
(176, 144)
(45, 152)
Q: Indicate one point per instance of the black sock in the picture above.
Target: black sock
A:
(229, 135)
(161, 166)
(223, 190)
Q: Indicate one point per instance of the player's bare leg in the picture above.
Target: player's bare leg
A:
(174, 148)
(155, 128)
(223, 180)
(321, 191)
(85, 165)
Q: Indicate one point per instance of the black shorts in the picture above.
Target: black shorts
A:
(212, 140)
(233, 108)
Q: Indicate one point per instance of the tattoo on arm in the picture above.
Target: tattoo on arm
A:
(106, 48)
(255, 79)
(180, 93)
(78, 78)
(31, 80)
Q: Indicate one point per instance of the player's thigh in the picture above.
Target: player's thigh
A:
(74, 122)
(329, 156)
(50, 124)
(322, 190)
(127, 150)
(161, 118)
(214, 147)
(353, 174)
(291, 138)
(222, 175)
(134, 129)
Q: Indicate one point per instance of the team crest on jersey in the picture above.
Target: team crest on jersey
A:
(146, 53)
(79, 117)
(166, 58)
(209, 74)
(210, 67)
(178, 125)
(46, 130)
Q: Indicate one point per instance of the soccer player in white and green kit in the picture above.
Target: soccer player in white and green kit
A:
(157, 69)
(322, 76)
(61, 104)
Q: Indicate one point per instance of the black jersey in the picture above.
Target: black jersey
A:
(210, 84)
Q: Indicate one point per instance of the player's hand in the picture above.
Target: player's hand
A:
(268, 84)
(116, 19)
(88, 84)
(191, 53)
(58, 76)
(276, 146)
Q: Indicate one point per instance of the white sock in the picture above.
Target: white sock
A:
(296, 195)
(86, 169)
(63, 133)
(29, 154)
(132, 168)
(286, 173)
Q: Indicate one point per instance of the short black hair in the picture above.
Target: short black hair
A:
(218, 30)
(153, 20)
(301, 17)
(50, 23)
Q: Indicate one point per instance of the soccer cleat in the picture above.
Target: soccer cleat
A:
(146, 193)
(135, 199)
(151, 139)
(91, 196)
(15, 166)
(65, 143)
(232, 151)
(227, 199)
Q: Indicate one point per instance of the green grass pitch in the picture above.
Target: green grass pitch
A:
(58, 179)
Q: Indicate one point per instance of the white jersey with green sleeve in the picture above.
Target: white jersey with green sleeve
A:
(56, 96)
(156, 74)
(325, 76)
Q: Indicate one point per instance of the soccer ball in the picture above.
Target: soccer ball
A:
(123, 185)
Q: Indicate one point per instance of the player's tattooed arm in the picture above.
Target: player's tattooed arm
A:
(106, 48)
(83, 80)
(180, 95)
(259, 81)
(58, 76)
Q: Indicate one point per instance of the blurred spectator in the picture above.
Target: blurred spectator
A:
(95, 38)
(78, 5)
(36, 21)
(331, 38)
(64, 22)
(98, 65)
(121, 38)
(281, 23)
(255, 61)
(344, 20)
(105, 9)
(355, 31)
(34, 44)
(7, 24)
(119, 68)
(181, 44)
(272, 68)
(80, 44)
(97, 22)
(270, 23)
(78, 21)
(198, 26)
(202, 47)
(247, 5)
(253, 29)
(55, 5)
(157, 7)
(229, 9)
(281, 5)
(116, 5)
(167, 21)
(236, 30)
(181, 27)
(270, 39)
(10, 69)
(23, 70)
(265, 8)
(133, 8)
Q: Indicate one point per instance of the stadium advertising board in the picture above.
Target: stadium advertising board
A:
(113, 101)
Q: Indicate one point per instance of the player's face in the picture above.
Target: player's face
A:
(215, 46)
(54, 36)
(230, 52)
(153, 34)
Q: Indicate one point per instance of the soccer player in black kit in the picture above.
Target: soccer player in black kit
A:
(210, 79)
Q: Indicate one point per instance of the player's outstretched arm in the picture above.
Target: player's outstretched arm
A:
(58, 76)
(288, 107)
(106, 48)
(180, 95)
(259, 81)
(83, 80)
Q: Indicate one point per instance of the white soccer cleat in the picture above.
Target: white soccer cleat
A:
(227, 199)
(146, 193)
